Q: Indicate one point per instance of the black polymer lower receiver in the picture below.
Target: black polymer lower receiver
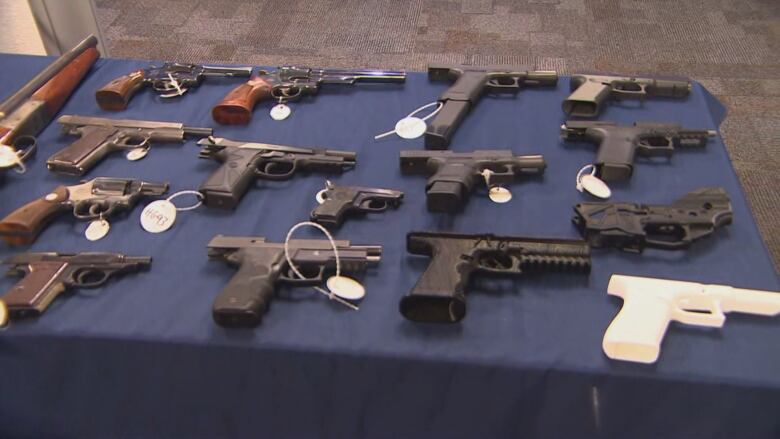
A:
(633, 227)
(339, 202)
(439, 296)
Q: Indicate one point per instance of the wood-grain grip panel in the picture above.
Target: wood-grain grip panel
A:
(24, 224)
(56, 91)
(115, 95)
(236, 108)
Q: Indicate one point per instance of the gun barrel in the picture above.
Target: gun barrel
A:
(542, 77)
(196, 131)
(45, 75)
(227, 71)
(367, 75)
(77, 121)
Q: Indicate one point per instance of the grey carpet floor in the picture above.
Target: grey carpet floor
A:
(729, 46)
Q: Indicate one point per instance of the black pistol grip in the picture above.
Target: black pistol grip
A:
(587, 98)
(439, 294)
(225, 187)
(449, 188)
(442, 127)
(246, 297)
(615, 157)
(331, 212)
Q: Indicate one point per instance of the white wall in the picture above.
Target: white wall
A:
(19, 34)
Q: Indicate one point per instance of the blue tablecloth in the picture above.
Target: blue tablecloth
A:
(144, 359)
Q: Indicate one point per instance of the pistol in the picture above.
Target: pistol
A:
(336, 202)
(454, 174)
(97, 198)
(46, 275)
(168, 81)
(633, 227)
(290, 83)
(439, 296)
(590, 91)
(100, 136)
(618, 144)
(242, 162)
(470, 83)
(262, 264)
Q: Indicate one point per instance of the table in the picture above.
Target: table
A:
(143, 358)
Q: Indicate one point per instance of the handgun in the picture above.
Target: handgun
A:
(291, 83)
(470, 83)
(97, 198)
(591, 91)
(262, 264)
(100, 136)
(243, 162)
(618, 144)
(168, 81)
(633, 227)
(337, 202)
(439, 296)
(454, 174)
(46, 275)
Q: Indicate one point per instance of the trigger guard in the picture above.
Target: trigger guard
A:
(320, 196)
(123, 143)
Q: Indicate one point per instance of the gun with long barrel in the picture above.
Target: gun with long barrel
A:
(338, 202)
(100, 136)
(28, 111)
(633, 227)
(619, 144)
(290, 83)
(243, 162)
(46, 275)
(453, 175)
(591, 92)
(439, 296)
(168, 81)
(470, 83)
(650, 304)
(97, 198)
(261, 265)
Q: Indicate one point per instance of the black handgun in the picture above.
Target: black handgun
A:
(633, 227)
(454, 174)
(470, 83)
(439, 296)
(336, 202)
(243, 162)
(261, 264)
(46, 275)
(618, 144)
(591, 91)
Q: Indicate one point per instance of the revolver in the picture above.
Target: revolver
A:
(618, 144)
(590, 91)
(46, 275)
(454, 174)
(290, 83)
(100, 136)
(168, 81)
(439, 296)
(93, 199)
(470, 84)
(632, 227)
(262, 264)
(242, 162)
(336, 202)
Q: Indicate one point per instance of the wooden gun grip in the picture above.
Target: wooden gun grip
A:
(115, 95)
(24, 224)
(56, 91)
(236, 108)
(33, 294)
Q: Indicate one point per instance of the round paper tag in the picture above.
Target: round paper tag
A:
(280, 112)
(345, 287)
(8, 157)
(410, 127)
(97, 229)
(158, 216)
(3, 314)
(595, 186)
(499, 194)
(137, 153)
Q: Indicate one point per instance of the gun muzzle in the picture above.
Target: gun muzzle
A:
(196, 131)
(150, 188)
(542, 77)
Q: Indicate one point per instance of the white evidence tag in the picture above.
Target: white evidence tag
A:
(159, 216)
(499, 194)
(9, 158)
(137, 153)
(411, 127)
(3, 315)
(588, 182)
(97, 229)
(280, 112)
(346, 287)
